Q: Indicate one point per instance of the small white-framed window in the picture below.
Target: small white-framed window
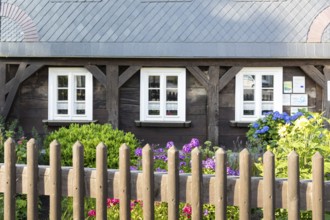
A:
(163, 94)
(70, 94)
(258, 91)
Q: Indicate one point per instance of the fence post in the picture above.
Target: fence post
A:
(32, 174)
(220, 184)
(55, 181)
(10, 179)
(318, 186)
(293, 186)
(101, 182)
(124, 182)
(269, 186)
(244, 185)
(173, 187)
(78, 181)
(196, 184)
(148, 183)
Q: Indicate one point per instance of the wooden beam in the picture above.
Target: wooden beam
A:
(97, 73)
(127, 75)
(30, 70)
(315, 74)
(112, 95)
(199, 75)
(2, 85)
(13, 90)
(213, 105)
(228, 76)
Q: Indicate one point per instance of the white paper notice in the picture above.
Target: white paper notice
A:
(298, 84)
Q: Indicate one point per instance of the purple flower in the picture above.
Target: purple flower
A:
(182, 163)
(133, 168)
(138, 152)
(182, 156)
(158, 169)
(194, 143)
(232, 172)
(206, 212)
(187, 148)
(181, 171)
(169, 144)
(208, 164)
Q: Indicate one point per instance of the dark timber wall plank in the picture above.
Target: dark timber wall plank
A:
(112, 95)
(213, 105)
(13, 89)
(2, 85)
(97, 73)
(127, 74)
(228, 76)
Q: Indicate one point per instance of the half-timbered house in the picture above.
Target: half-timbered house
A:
(163, 69)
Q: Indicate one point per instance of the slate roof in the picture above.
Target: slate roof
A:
(163, 28)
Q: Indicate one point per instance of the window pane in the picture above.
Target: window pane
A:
(62, 108)
(171, 95)
(154, 95)
(62, 95)
(171, 82)
(248, 94)
(62, 81)
(80, 108)
(249, 81)
(267, 95)
(154, 108)
(267, 81)
(80, 95)
(171, 109)
(80, 81)
(266, 108)
(248, 108)
(154, 81)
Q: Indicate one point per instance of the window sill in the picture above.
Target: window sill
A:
(239, 124)
(57, 123)
(162, 124)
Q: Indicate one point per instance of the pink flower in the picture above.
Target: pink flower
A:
(187, 210)
(92, 213)
(112, 202)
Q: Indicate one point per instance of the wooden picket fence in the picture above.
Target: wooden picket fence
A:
(101, 183)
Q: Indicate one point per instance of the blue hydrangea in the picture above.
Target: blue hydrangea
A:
(255, 125)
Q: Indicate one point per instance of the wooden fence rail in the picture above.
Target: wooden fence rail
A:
(101, 183)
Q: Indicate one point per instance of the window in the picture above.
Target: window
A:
(163, 94)
(258, 91)
(70, 94)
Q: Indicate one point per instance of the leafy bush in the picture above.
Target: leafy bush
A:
(264, 131)
(90, 136)
(306, 136)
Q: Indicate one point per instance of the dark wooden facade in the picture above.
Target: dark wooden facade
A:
(210, 93)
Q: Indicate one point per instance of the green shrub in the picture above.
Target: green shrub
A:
(306, 136)
(90, 136)
(264, 131)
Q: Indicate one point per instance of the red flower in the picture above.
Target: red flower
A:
(187, 210)
(92, 213)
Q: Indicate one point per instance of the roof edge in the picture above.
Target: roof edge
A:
(166, 50)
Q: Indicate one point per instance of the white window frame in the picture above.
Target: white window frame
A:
(277, 72)
(71, 72)
(144, 93)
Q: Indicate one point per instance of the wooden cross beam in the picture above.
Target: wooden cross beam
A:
(24, 71)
